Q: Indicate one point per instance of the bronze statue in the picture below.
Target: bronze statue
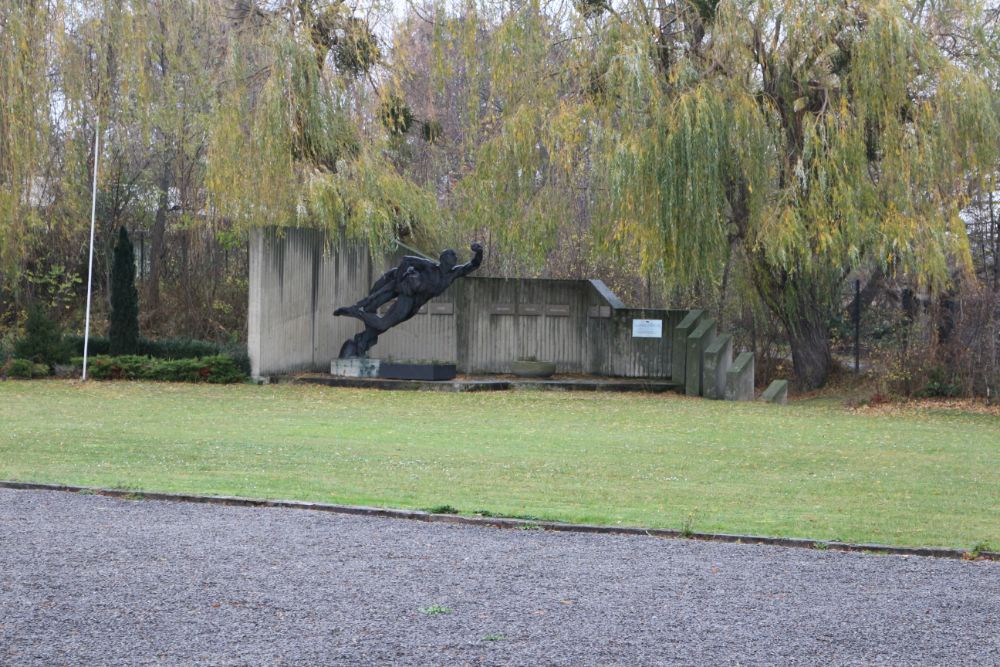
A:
(412, 284)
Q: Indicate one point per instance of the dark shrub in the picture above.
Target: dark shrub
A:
(123, 331)
(23, 368)
(43, 342)
(170, 348)
(214, 369)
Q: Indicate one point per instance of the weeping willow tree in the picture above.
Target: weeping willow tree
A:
(809, 139)
(23, 121)
(61, 65)
(291, 142)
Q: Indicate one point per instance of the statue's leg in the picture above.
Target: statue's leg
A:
(364, 341)
(348, 350)
(372, 302)
(371, 320)
(350, 311)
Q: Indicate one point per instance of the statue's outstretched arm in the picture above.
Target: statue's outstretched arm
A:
(472, 264)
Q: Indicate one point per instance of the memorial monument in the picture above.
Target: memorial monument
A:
(410, 285)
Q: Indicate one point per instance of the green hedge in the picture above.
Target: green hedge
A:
(168, 348)
(23, 368)
(217, 369)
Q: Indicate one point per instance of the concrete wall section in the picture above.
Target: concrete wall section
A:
(429, 335)
(292, 280)
(618, 353)
(500, 320)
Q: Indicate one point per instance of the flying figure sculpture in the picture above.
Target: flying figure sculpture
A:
(412, 283)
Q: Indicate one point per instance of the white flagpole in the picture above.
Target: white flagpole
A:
(90, 264)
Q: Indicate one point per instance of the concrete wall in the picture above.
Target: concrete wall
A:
(293, 280)
(506, 319)
(480, 323)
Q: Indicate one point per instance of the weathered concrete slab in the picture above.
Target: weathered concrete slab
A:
(355, 368)
(739, 378)
(493, 383)
(716, 361)
(679, 347)
(776, 392)
(699, 340)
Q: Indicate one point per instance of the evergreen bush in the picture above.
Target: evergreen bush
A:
(215, 369)
(168, 348)
(23, 368)
(124, 317)
(42, 342)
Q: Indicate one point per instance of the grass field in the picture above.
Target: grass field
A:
(812, 469)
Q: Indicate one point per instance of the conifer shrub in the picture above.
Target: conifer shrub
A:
(43, 341)
(23, 368)
(123, 333)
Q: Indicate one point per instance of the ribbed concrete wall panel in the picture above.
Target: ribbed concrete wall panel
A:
(629, 356)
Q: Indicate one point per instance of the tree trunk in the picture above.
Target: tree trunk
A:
(810, 341)
(157, 246)
(804, 302)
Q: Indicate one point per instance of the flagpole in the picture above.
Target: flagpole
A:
(90, 263)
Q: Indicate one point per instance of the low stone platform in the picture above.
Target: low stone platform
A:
(495, 383)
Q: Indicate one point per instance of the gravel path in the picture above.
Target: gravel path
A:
(89, 580)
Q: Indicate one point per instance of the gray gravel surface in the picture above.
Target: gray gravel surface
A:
(89, 580)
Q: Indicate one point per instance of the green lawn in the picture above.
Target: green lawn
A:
(811, 469)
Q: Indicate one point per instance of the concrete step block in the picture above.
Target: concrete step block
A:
(717, 360)
(739, 378)
(776, 392)
(678, 344)
(699, 340)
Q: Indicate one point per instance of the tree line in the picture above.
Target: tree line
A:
(755, 157)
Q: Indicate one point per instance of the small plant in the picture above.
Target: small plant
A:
(978, 549)
(531, 525)
(687, 528)
(435, 610)
(939, 385)
(441, 509)
(821, 546)
(494, 637)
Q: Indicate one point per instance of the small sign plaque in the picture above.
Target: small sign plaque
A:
(530, 309)
(647, 328)
(502, 309)
(557, 310)
(442, 308)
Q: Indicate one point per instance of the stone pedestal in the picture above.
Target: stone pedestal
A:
(355, 367)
